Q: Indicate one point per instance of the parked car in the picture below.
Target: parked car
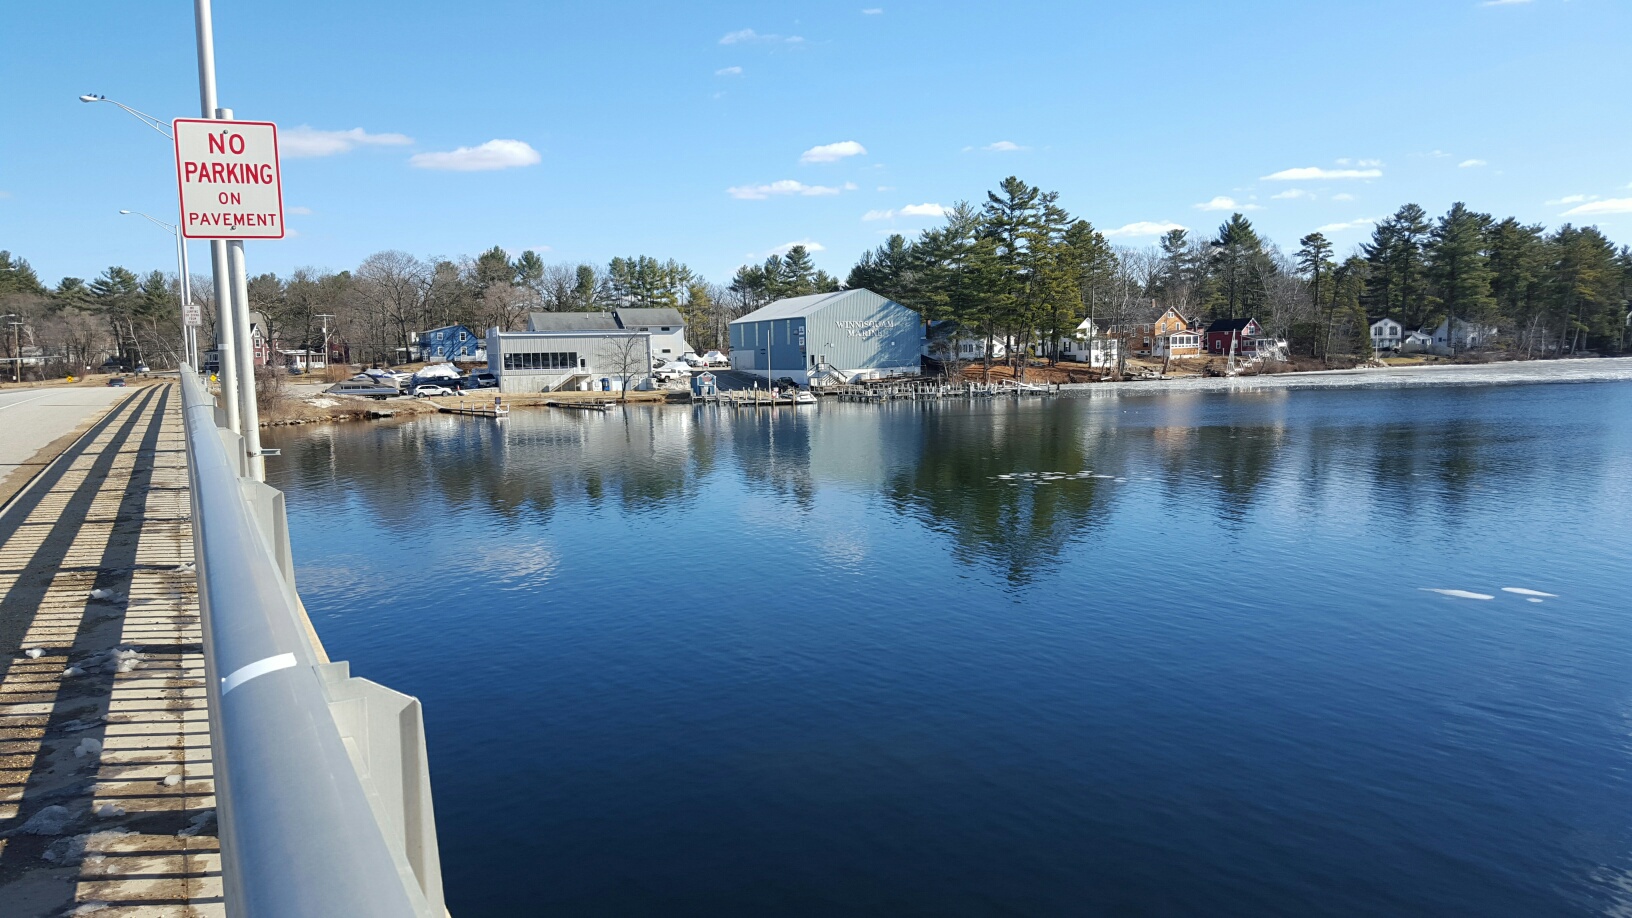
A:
(429, 390)
(482, 380)
(142, 370)
(117, 382)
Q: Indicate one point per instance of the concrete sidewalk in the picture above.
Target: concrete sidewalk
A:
(106, 789)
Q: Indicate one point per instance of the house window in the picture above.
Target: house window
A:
(665, 328)
(462, 336)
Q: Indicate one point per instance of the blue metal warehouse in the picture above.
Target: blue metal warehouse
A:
(829, 338)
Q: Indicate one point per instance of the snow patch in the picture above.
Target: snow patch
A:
(197, 825)
(49, 821)
(33, 653)
(171, 780)
(87, 746)
(108, 811)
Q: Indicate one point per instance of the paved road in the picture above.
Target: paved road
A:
(31, 419)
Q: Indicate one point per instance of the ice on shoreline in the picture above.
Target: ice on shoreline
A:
(1608, 369)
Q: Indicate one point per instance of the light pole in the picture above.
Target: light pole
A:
(188, 346)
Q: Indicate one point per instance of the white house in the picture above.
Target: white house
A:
(1416, 342)
(1087, 344)
(1468, 335)
(1386, 335)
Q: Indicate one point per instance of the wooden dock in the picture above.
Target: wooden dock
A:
(491, 411)
(602, 407)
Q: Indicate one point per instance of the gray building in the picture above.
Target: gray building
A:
(576, 360)
(666, 326)
(829, 338)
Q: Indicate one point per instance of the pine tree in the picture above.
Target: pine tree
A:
(1315, 260)
(1239, 268)
(1459, 269)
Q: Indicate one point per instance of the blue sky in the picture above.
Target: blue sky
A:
(716, 133)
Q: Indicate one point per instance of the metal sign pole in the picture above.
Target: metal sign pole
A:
(224, 339)
(248, 411)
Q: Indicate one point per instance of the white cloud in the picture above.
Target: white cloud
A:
(1143, 228)
(749, 36)
(1369, 163)
(298, 211)
(911, 210)
(1607, 206)
(307, 141)
(1004, 146)
(832, 152)
(1573, 199)
(1471, 164)
(1315, 174)
(779, 188)
(1344, 196)
(1292, 194)
(886, 188)
(1345, 227)
(810, 246)
(728, 71)
(1503, 2)
(495, 154)
(1440, 154)
(1223, 203)
(873, 11)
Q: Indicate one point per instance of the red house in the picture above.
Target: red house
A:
(1241, 333)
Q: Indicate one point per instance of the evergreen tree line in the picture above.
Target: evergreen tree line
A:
(1019, 269)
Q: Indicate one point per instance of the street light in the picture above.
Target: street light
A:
(143, 117)
(189, 346)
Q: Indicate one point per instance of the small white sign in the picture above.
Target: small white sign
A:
(190, 315)
(227, 172)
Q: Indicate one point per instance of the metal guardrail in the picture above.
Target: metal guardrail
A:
(322, 789)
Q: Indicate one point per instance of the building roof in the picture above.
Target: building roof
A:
(1228, 325)
(571, 321)
(658, 317)
(445, 328)
(797, 306)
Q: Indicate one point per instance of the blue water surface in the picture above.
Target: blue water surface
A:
(1137, 655)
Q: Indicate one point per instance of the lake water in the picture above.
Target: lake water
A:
(1168, 654)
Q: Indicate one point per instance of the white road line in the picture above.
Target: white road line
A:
(252, 670)
(27, 400)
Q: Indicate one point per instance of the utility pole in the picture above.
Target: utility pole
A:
(325, 316)
(16, 323)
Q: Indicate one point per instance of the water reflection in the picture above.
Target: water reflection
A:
(1010, 485)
